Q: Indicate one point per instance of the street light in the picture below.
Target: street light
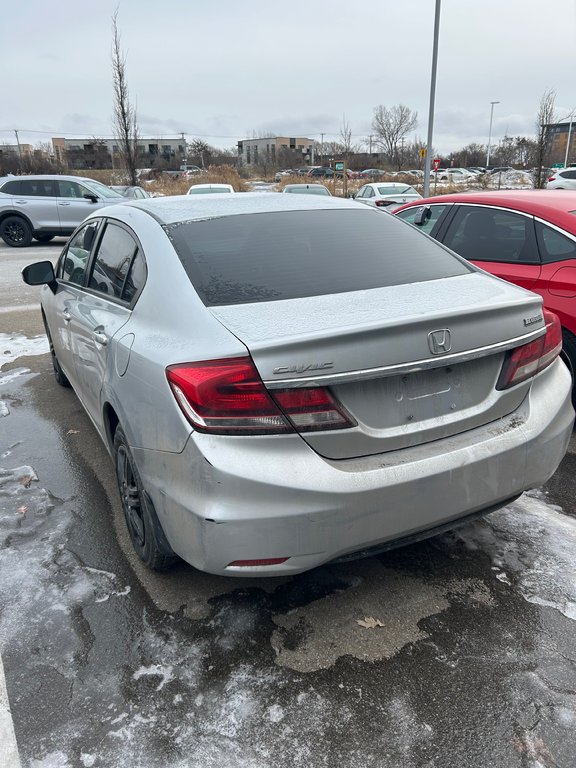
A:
(571, 115)
(428, 160)
(490, 131)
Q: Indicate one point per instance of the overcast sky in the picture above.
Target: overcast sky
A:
(224, 69)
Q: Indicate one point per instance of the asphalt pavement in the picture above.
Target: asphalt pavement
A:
(457, 651)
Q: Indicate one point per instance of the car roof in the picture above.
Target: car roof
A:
(33, 176)
(175, 209)
(555, 206)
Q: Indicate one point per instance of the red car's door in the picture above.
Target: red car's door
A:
(500, 241)
(557, 281)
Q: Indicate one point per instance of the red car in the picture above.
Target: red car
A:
(527, 237)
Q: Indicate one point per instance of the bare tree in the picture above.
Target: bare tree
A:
(544, 119)
(201, 151)
(125, 121)
(391, 125)
(346, 145)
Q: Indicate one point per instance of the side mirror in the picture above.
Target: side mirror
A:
(92, 198)
(422, 216)
(40, 273)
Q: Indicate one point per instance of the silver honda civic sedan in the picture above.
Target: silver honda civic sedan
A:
(286, 380)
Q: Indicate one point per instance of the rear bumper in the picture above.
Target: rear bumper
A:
(226, 499)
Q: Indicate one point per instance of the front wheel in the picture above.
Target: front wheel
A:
(144, 528)
(16, 232)
(59, 374)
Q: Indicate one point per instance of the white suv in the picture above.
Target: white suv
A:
(563, 179)
(42, 207)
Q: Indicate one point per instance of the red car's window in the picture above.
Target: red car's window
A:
(554, 246)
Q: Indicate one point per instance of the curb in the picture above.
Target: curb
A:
(8, 748)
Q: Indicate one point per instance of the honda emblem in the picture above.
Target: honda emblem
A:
(440, 341)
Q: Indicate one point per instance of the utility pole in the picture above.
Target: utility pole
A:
(322, 149)
(490, 131)
(18, 142)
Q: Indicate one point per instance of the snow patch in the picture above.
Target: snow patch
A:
(15, 345)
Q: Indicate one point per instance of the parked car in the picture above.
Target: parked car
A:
(321, 171)
(133, 193)
(284, 380)
(281, 174)
(386, 194)
(501, 169)
(191, 170)
(527, 237)
(306, 189)
(209, 189)
(372, 173)
(456, 175)
(42, 207)
(562, 179)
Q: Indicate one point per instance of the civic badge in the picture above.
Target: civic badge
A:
(440, 341)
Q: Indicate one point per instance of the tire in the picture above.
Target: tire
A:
(569, 357)
(59, 374)
(144, 528)
(44, 238)
(16, 232)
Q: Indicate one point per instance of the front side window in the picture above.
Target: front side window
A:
(113, 261)
(410, 214)
(554, 246)
(491, 234)
(71, 189)
(74, 261)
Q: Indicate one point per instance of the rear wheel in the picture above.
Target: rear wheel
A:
(16, 232)
(44, 238)
(144, 528)
(569, 357)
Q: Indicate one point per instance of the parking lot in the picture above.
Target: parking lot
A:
(456, 651)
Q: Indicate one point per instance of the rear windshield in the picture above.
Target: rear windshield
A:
(208, 191)
(258, 257)
(398, 189)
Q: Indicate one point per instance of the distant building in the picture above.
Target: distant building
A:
(105, 153)
(276, 150)
(557, 138)
(9, 150)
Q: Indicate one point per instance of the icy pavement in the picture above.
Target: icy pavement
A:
(459, 651)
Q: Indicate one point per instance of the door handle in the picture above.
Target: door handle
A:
(100, 338)
(21, 202)
(59, 203)
(67, 315)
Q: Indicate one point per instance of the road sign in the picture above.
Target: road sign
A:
(339, 166)
(436, 163)
(557, 165)
(423, 153)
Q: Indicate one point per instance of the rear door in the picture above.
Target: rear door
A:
(36, 198)
(116, 275)
(500, 241)
(557, 282)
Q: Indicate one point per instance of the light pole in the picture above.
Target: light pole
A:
(490, 131)
(571, 115)
(428, 160)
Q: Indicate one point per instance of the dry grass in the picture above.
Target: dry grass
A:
(162, 184)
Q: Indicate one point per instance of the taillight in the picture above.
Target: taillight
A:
(526, 361)
(552, 178)
(383, 203)
(229, 397)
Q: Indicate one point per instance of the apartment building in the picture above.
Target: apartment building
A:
(276, 150)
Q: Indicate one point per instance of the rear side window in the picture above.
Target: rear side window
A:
(113, 261)
(273, 256)
(38, 187)
(554, 246)
(568, 174)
